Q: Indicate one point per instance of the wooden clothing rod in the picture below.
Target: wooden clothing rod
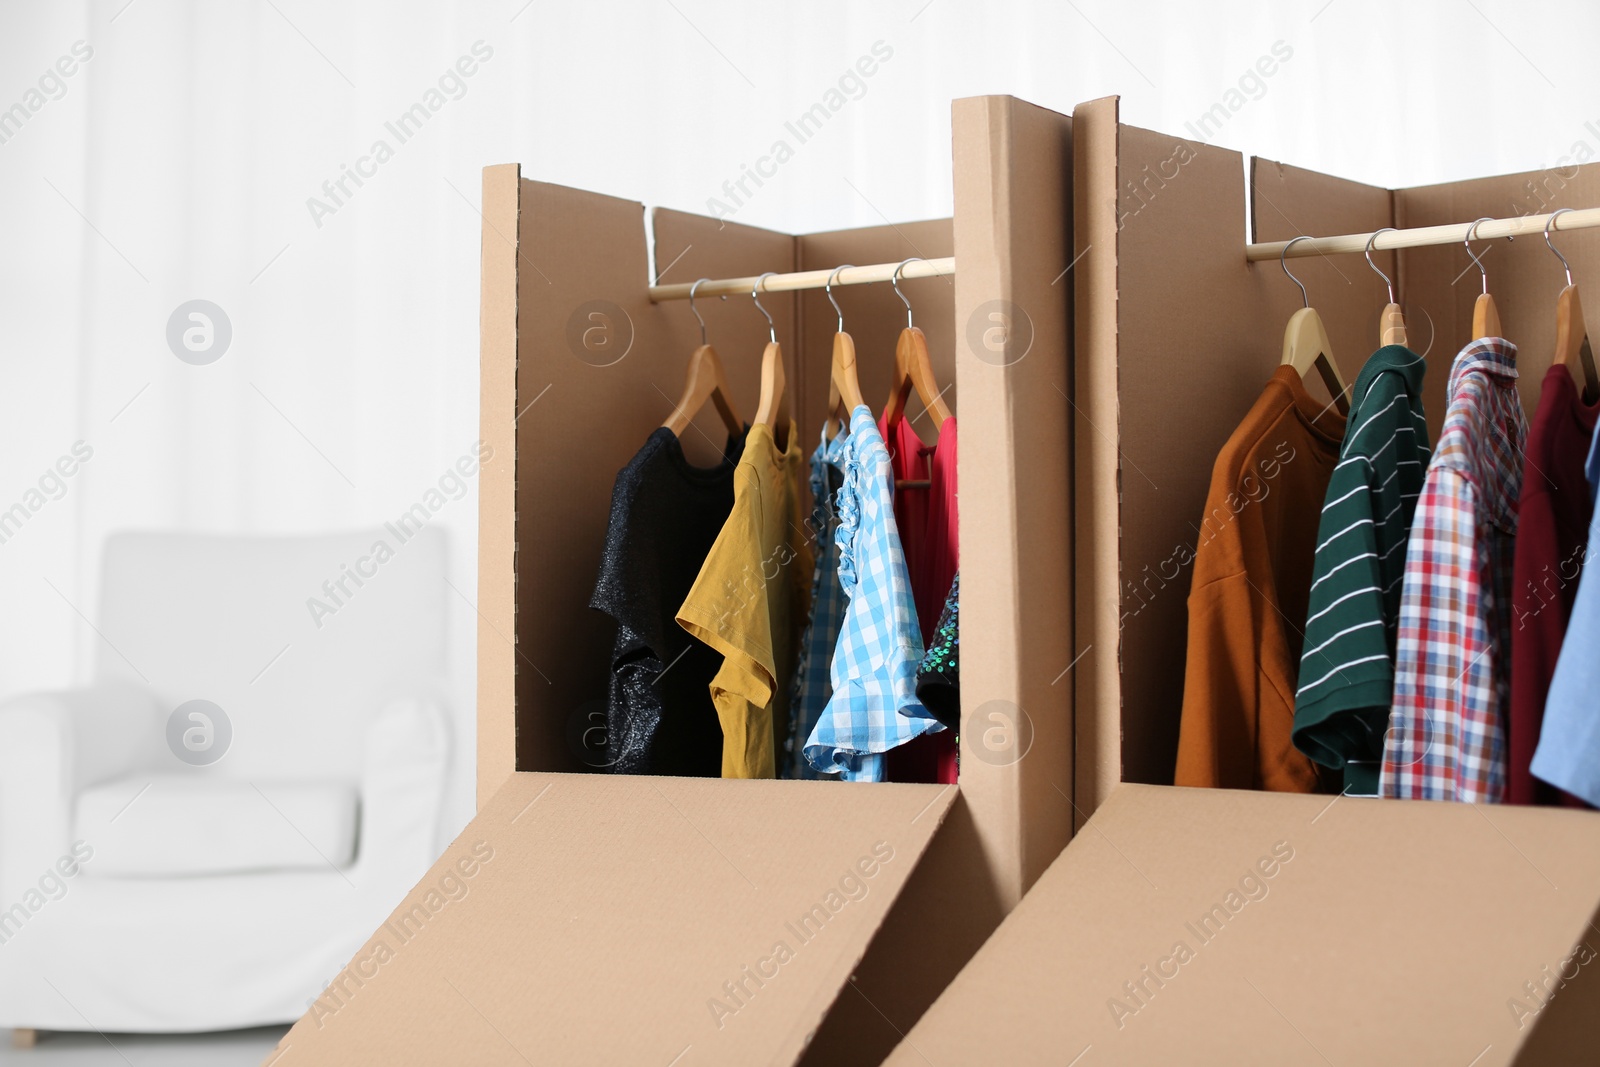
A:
(810, 279)
(1580, 219)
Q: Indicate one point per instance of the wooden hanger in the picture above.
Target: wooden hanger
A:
(1572, 336)
(706, 380)
(1572, 342)
(771, 412)
(1392, 326)
(1485, 316)
(844, 387)
(1306, 344)
(1391, 321)
(913, 368)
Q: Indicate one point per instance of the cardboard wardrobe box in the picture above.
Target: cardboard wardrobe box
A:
(583, 917)
(1229, 927)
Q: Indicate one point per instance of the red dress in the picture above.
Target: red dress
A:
(927, 518)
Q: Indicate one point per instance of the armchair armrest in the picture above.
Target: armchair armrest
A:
(403, 778)
(52, 745)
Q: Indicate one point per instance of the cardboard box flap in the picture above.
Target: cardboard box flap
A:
(1221, 927)
(599, 919)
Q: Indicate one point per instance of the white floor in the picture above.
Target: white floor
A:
(231, 1048)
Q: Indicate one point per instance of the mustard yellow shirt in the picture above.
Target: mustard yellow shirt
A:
(750, 603)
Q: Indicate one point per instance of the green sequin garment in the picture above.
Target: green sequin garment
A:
(939, 673)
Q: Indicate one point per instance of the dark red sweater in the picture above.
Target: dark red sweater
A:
(1552, 538)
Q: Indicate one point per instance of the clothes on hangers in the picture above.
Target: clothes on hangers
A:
(927, 518)
(1568, 755)
(665, 516)
(939, 673)
(874, 706)
(1446, 738)
(813, 684)
(1341, 708)
(1247, 601)
(749, 602)
(1553, 516)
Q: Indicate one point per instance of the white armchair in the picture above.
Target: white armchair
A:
(227, 892)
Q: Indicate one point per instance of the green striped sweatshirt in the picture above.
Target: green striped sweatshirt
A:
(1347, 661)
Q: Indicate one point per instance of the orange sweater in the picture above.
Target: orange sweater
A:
(1247, 605)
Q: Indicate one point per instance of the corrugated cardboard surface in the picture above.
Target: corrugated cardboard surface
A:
(581, 919)
(947, 911)
(1096, 678)
(497, 479)
(1395, 933)
(1013, 182)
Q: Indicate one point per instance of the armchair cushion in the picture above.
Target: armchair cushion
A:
(53, 745)
(160, 826)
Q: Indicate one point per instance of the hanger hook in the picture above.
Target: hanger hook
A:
(1283, 261)
(755, 294)
(696, 311)
(828, 291)
(1472, 232)
(1374, 266)
(894, 280)
(1550, 225)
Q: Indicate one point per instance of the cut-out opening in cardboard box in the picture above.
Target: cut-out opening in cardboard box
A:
(638, 919)
(1230, 927)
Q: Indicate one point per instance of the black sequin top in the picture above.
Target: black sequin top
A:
(665, 516)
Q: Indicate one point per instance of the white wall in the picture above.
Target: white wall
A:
(178, 162)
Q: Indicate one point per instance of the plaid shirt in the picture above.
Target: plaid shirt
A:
(812, 682)
(874, 705)
(1447, 734)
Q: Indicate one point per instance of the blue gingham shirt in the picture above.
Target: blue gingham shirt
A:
(813, 682)
(874, 705)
